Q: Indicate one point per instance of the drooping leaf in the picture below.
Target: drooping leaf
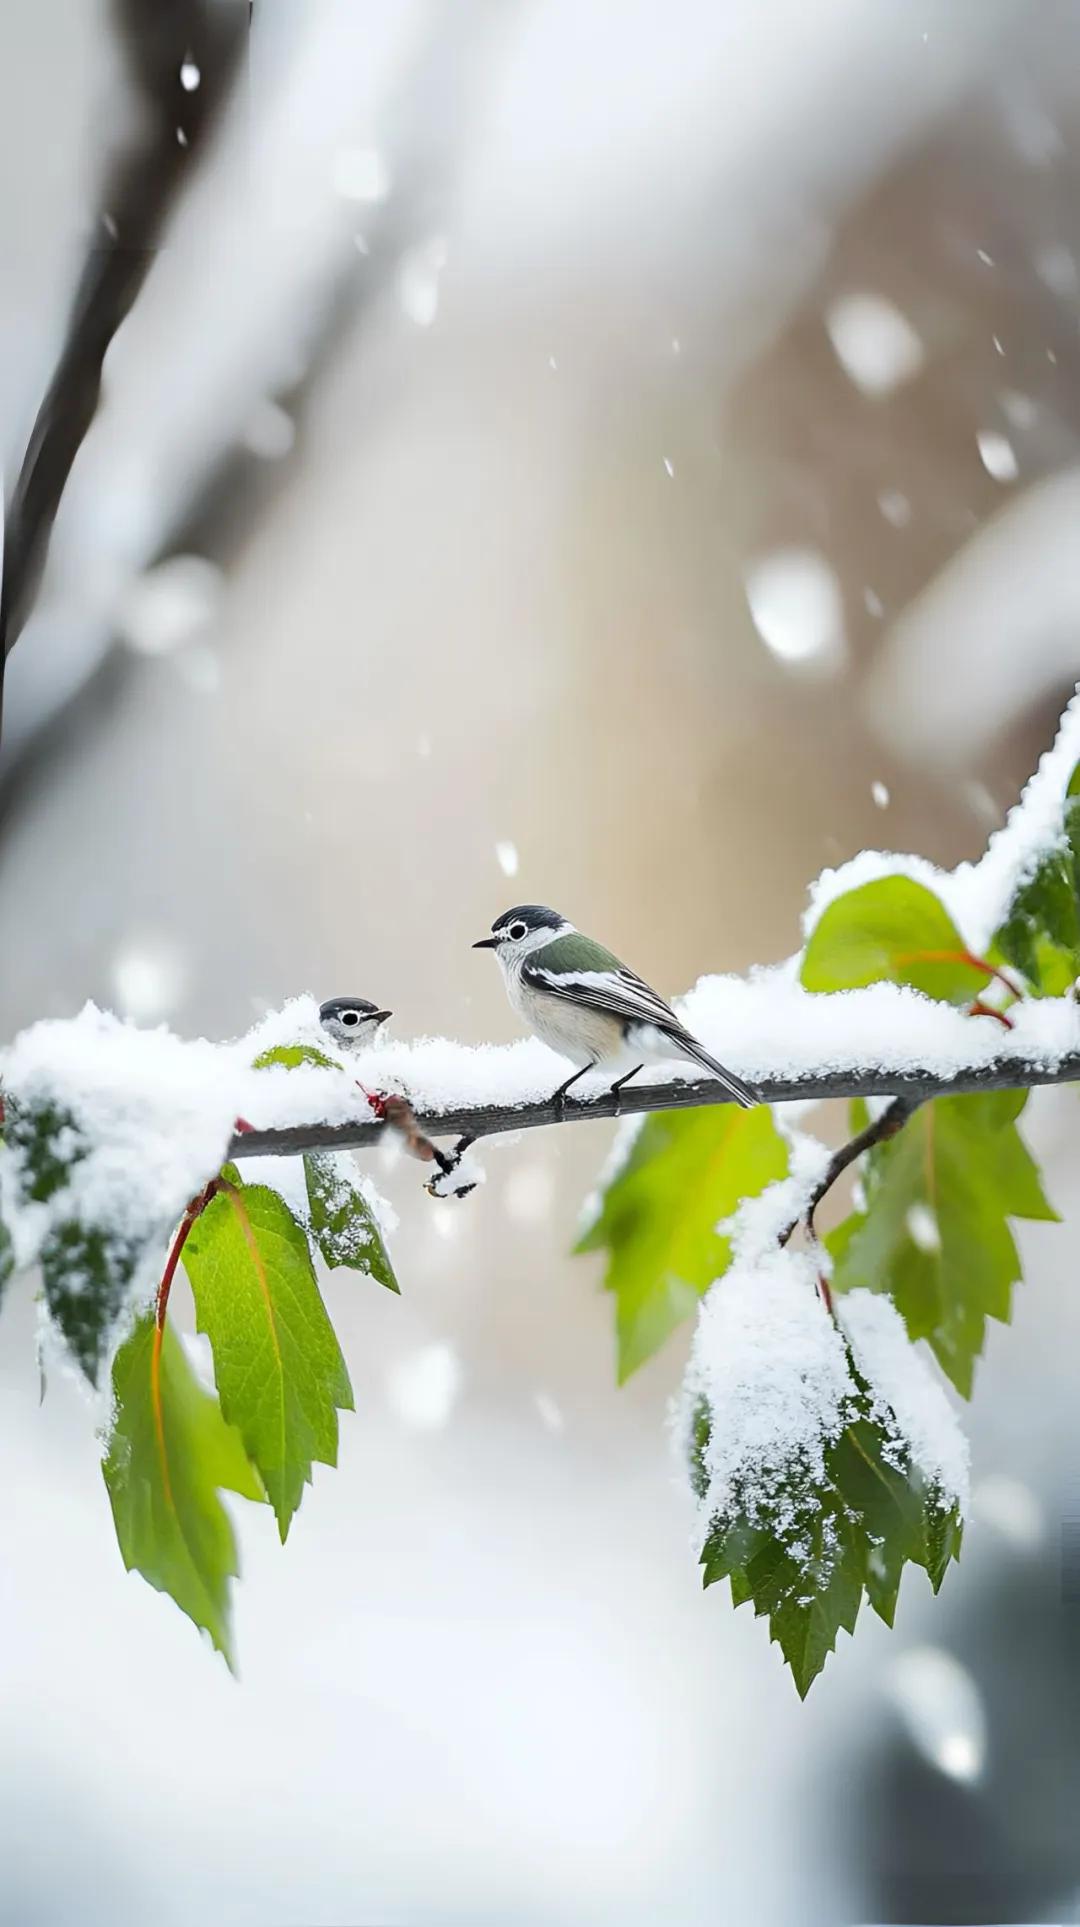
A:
(290, 1055)
(7, 1255)
(686, 1173)
(935, 1233)
(169, 1455)
(806, 1556)
(891, 930)
(277, 1362)
(342, 1222)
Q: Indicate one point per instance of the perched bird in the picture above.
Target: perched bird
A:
(587, 1005)
(352, 1022)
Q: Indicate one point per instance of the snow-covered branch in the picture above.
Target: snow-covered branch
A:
(486, 1120)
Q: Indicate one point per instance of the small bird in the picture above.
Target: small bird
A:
(577, 997)
(352, 1022)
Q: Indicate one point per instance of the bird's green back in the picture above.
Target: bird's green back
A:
(575, 952)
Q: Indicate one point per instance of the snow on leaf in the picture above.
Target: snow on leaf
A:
(812, 1494)
(168, 1455)
(895, 930)
(278, 1365)
(962, 1160)
(87, 1268)
(343, 1221)
(685, 1173)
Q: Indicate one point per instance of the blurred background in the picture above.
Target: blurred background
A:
(617, 454)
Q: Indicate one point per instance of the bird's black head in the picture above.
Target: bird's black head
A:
(525, 920)
(351, 1015)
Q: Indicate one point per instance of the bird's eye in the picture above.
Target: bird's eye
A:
(350, 1016)
(518, 930)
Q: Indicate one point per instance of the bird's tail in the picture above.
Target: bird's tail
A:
(743, 1094)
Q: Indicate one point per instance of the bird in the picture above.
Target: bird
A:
(576, 996)
(352, 1022)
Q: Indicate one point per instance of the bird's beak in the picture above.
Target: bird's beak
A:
(380, 1016)
(487, 943)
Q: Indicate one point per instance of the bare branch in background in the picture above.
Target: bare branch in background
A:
(159, 37)
(423, 133)
(913, 1087)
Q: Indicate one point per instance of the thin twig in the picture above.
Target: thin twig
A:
(487, 1120)
(891, 1120)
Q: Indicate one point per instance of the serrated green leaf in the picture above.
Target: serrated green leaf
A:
(290, 1055)
(935, 1234)
(687, 1171)
(169, 1455)
(277, 1362)
(892, 930)
(343, 1224)
(808, 1556)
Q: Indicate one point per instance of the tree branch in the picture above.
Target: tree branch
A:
(486, 1120)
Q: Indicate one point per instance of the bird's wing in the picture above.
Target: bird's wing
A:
(617, 991)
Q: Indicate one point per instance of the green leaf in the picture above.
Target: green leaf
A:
(935, 1233)
(290, 1055)
(808, 1555)
(1041, 934)
(892, 930)
(343, 1224)
(86, 1270)
(686, 1173)
(277, 1362)
(169, 1454)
